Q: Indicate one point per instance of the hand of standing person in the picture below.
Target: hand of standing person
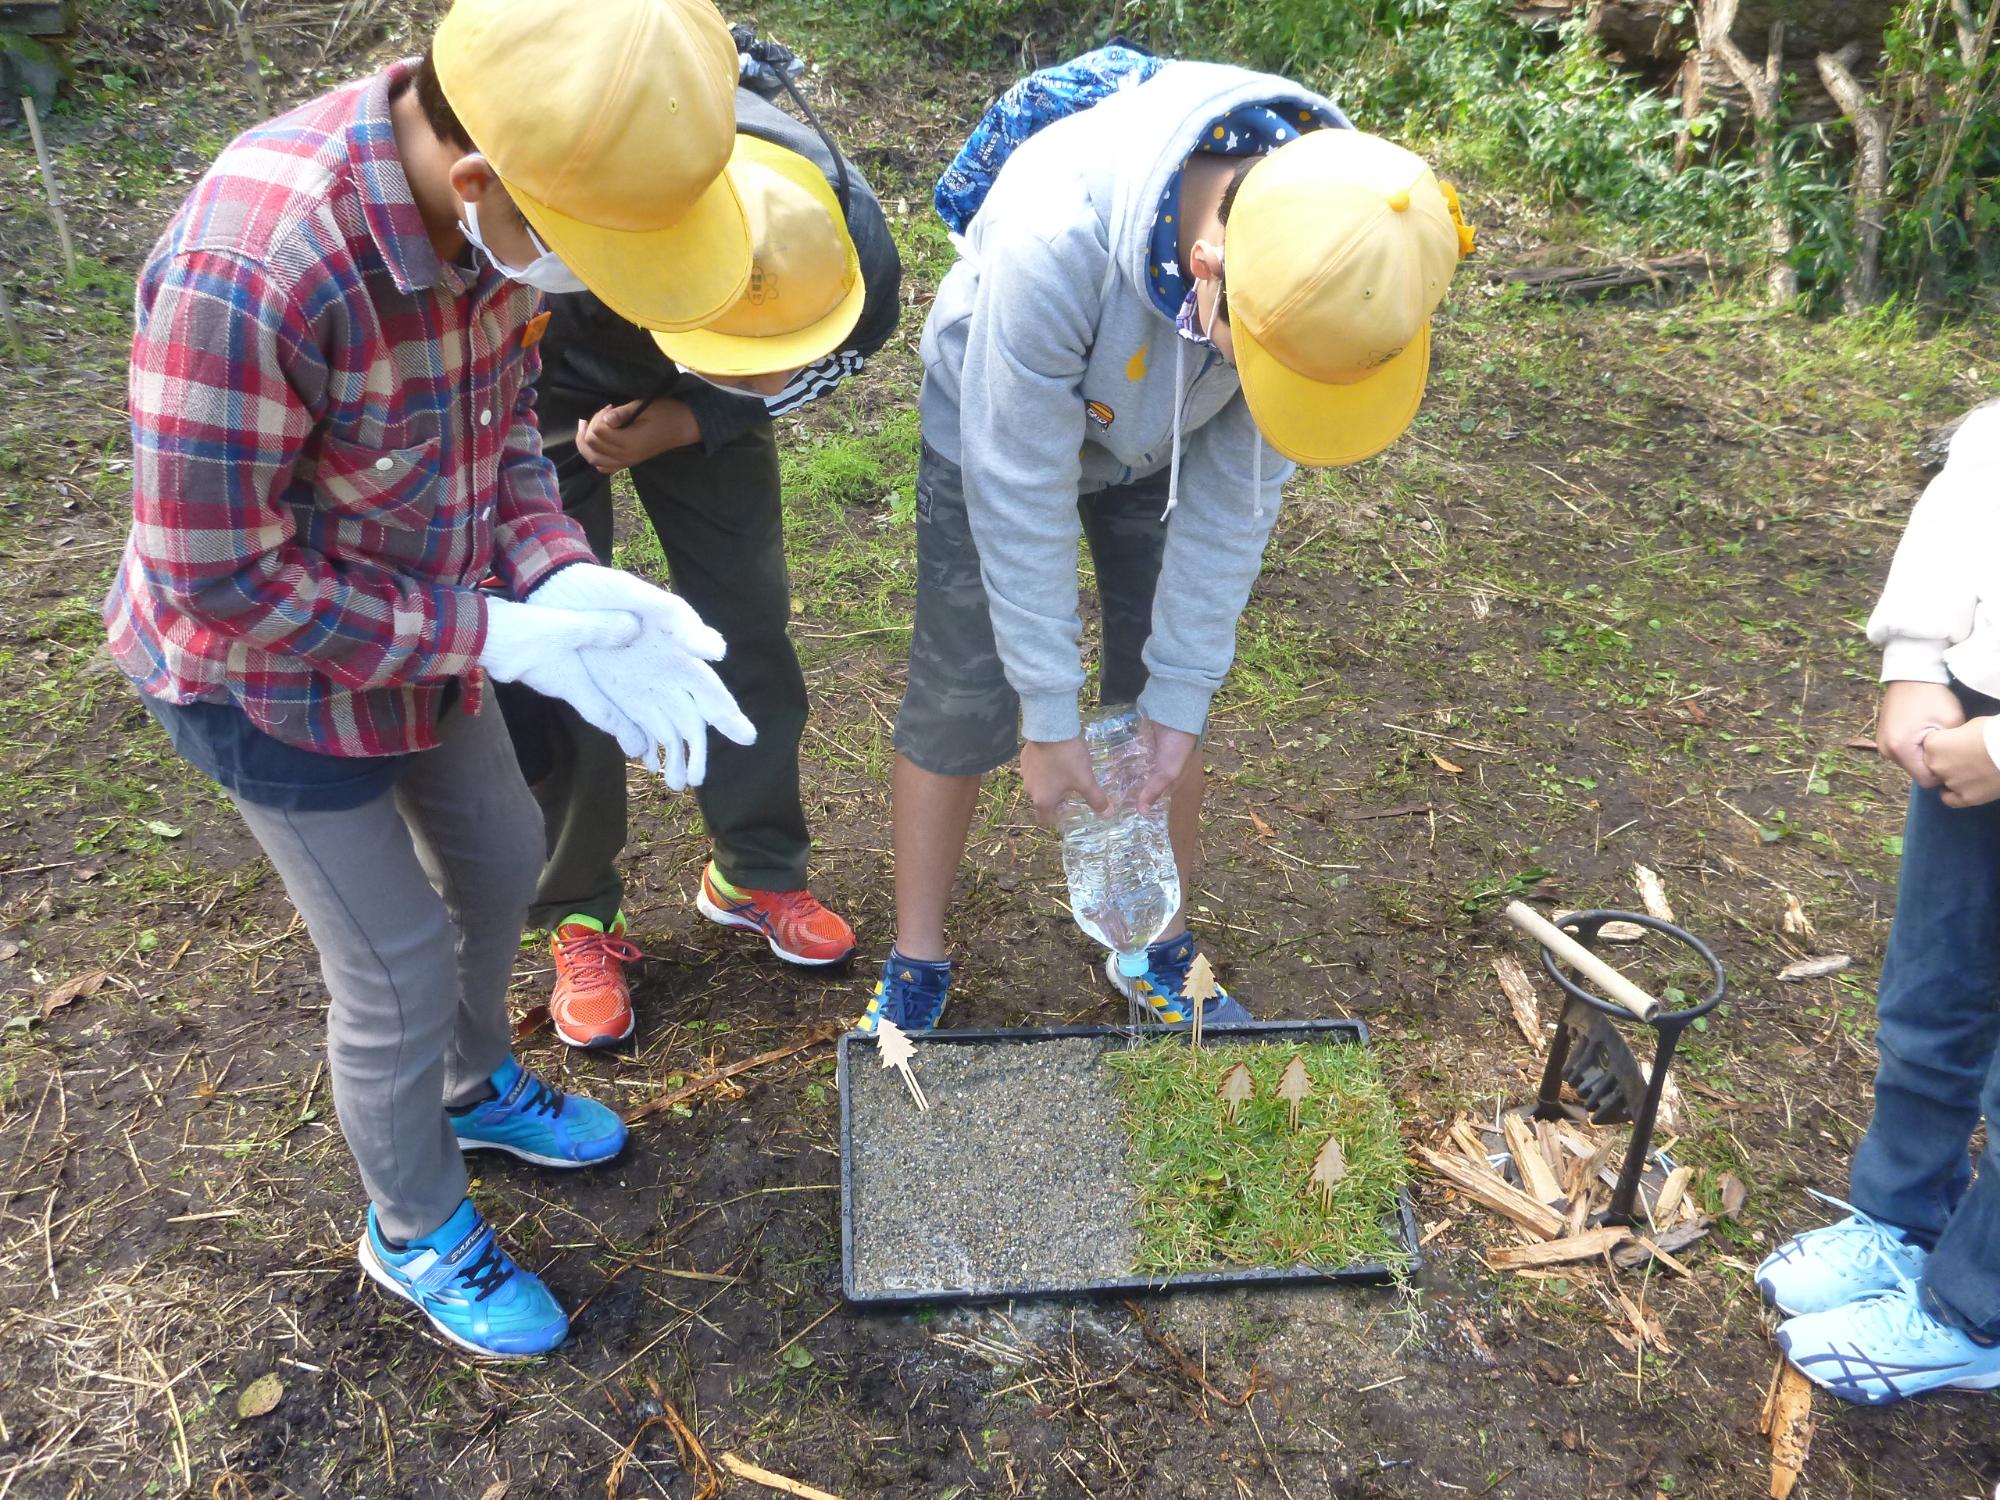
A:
(618, 437)
(1911, 711)
(1058, 771)
(1171, 749)
(1961, 760)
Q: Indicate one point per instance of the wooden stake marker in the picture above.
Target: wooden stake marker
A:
(898, 1052)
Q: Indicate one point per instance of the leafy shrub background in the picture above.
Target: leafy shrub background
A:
(1547, 114)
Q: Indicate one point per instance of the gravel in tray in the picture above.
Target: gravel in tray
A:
(1016, 1174)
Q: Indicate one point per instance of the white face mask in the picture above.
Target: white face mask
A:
(545, 272)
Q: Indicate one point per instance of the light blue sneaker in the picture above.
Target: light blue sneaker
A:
(1887, 1348)
(1827, 1268)
(1160, 987)
(528, 1119)
(460, 1278)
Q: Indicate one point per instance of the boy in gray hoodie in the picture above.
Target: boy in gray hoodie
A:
(1163, 301)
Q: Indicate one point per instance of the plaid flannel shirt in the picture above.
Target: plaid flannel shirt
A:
(334, 442)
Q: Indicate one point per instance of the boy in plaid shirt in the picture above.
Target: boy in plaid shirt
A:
(335, 444)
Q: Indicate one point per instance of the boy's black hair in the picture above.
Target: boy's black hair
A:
(438, 113)
(1242, 171)
(1235, 181)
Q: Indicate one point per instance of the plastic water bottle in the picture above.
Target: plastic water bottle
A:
(1124, 887)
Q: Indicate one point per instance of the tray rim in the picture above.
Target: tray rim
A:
(1365, 1273)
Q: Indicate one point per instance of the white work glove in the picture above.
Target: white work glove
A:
(662, 683)
(543, 647)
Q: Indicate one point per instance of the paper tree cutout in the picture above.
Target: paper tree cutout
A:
(898, 1051)
(1237, 1087)
(1294, 1087)
(1199, 986)
(1329, 1167)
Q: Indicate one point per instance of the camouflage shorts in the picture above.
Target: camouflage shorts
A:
(959, 716)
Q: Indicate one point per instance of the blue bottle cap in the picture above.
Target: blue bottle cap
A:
(1134, 965)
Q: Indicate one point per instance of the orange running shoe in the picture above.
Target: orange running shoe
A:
(591, 1006)
(798, 928)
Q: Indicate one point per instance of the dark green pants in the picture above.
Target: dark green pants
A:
(721, 525)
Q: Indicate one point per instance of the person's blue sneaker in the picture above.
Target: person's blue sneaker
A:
(1887, 1347)
(460, 1278)
(1160, 987)
(911, 992)
(1827, 1268)
(528, 1119)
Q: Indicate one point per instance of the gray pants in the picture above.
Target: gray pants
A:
(416, 902)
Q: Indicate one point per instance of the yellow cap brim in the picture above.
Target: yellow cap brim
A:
(1324, 426)
(678, 277)
(710, 353)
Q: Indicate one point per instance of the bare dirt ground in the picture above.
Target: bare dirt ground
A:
(1601, 606)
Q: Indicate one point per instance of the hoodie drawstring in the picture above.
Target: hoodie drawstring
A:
(1180, 404)
(1174, 463)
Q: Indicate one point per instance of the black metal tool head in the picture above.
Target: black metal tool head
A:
(1601, 1067)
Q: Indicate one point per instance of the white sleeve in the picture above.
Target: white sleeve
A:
(1933, 592)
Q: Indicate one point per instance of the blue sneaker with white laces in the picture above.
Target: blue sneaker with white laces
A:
(528, 1119)
(1827, 1268)
(1161, 984)
(461, 1278)
(1887, 1347)
(912, 992)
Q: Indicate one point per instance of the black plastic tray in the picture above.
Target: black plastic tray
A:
(1367, 1272)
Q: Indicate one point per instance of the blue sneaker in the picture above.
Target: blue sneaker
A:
(460, 1278)
(1887, 1348)
(1160, 987)
(528, 1119)
(911, 992)
(1827, 1268)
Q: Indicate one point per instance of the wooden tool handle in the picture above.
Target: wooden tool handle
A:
(1614, 984)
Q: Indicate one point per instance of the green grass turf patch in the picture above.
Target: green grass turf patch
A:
(1212, 1193)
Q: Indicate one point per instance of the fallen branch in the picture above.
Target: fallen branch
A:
(1592, 282)
(663, 1102)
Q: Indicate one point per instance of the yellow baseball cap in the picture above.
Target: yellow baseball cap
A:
(610, 122)
(805, 290)
(1339, 247)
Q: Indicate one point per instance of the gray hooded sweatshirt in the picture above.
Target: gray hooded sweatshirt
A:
(1049, 372)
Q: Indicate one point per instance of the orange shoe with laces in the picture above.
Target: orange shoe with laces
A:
(798, 928)
(591, 1006)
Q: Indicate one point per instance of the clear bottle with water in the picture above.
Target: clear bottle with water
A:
(1124, 887)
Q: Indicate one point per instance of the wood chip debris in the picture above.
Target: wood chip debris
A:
(1484, 1186)
(1796, 923)
(1566, 1174)
(1815, 968)
(1653, 894)
(1789, 1422)
(1520, 993)
(784, 1485)
(1536, 1175)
